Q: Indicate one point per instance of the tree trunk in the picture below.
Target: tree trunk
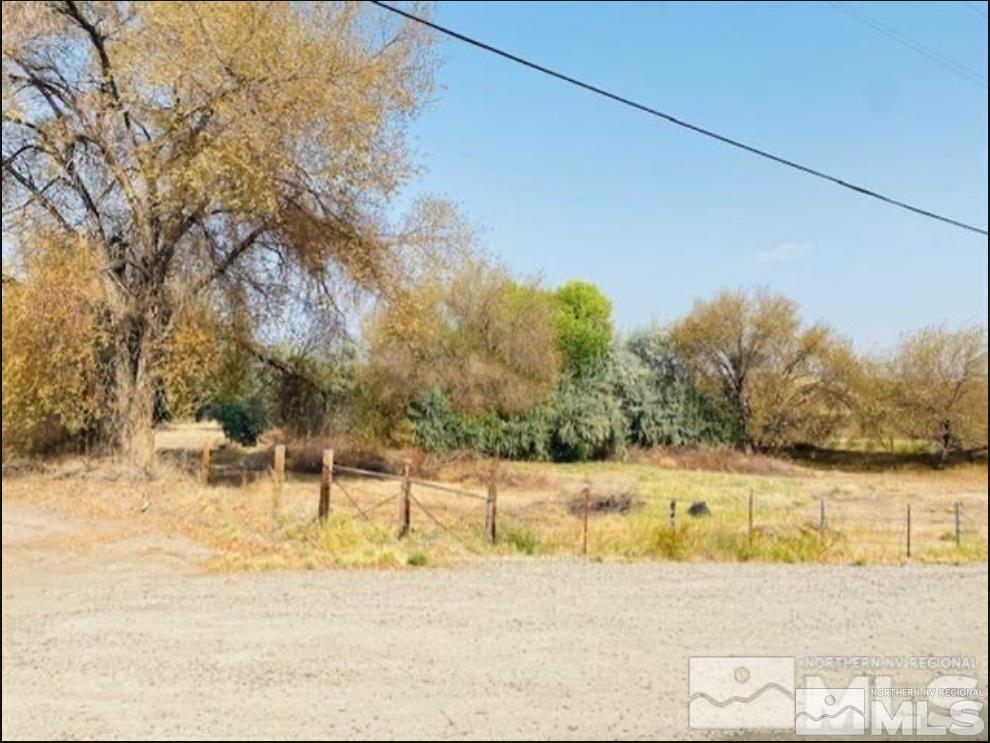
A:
(944, 445)
(132, 436)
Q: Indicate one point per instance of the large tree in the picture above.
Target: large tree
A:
(780, 381)
(243, 152)
(935, 384)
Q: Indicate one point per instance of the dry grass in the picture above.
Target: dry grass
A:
(713, 459)
(249, 524)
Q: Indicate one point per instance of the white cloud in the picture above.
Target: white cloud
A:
(784, 252)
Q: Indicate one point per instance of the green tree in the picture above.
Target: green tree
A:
(584, 325)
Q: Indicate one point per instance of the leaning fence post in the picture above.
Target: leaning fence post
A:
(750, 531)
(909, 530)
(204, 463)
(490, 510)
(278, 477)
(585, 512)
(278, 465)
(958, 514)
(821, 516)
(405, 505)
(326, 480)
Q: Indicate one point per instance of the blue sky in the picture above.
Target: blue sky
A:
(564, 184)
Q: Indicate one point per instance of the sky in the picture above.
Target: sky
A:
(562, 184)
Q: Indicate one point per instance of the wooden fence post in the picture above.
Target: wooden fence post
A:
(586, 511)
(909, 530)
(278, 477)
(821, 517)
(673, 515)
(204, 463)
(490, 511)
(405, 502)
(326, 480)
(750, 531)
(958, 514)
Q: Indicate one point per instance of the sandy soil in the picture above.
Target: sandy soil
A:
(128, 638)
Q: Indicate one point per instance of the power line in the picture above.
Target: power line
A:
(963, 71)
(681, 123)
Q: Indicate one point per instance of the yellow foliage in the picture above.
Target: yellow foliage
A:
(56, 354)
(52, 342)
(936, 386)
(205, 151)
(191, 355)
(487, 341)
(783, 383)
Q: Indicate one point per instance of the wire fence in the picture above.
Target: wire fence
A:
(744, 524)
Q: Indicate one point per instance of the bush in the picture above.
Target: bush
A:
(639, 394)
(582, 420)
(243, 421)
(588, 418)
(661, 403)
(436, 425)
(54, 350)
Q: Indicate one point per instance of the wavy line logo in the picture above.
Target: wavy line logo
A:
(830, 711)
(732, 692)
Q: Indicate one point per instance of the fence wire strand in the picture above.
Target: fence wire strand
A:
(354, 502)
(443, 526)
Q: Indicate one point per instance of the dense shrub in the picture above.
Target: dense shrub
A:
(634, 395)
(438, 427)
(588, 418)
(661, 403)
(582, 419)
(53, 350)
(242, 421)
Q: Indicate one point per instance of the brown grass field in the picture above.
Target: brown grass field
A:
(249, 524)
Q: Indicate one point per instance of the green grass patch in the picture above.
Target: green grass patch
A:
(519, 538)
(418, 560)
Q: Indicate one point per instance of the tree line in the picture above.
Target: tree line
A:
(473, 358)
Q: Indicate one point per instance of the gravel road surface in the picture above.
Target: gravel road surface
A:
(130, 639)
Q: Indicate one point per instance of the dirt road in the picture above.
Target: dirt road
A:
(129, 639)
